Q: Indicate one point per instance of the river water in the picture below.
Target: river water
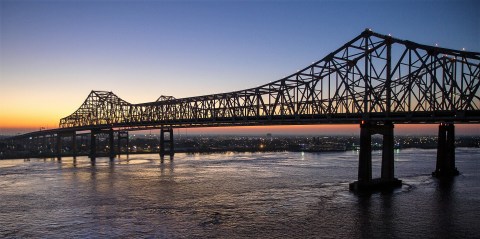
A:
(236, 195)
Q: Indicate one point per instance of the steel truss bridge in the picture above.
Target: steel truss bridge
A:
(373, 80)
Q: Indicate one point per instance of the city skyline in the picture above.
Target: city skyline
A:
(53, 53)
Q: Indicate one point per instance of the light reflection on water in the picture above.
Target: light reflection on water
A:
(235, 195)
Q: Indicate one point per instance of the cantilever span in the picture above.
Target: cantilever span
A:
(372, 77)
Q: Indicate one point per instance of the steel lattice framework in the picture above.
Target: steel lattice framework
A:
(372, 77)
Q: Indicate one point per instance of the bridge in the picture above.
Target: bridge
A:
(374, 80)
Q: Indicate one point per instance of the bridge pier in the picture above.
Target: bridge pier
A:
(93, 145)
(45, 145)
(59, 143)
(445, 167)
(387, 179)
(111, 144)
(79, 144)
(58, 146)
(74, 144)
(122, 135)
(166, 145)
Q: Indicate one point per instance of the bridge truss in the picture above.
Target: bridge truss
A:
(372, 77)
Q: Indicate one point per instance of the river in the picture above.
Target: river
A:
(236, 195)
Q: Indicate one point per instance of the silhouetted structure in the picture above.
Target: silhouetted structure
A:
(373, 80)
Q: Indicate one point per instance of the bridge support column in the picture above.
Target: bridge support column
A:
(122, 135)
(387, 180)
(93, 145)
(445, 167)
(164, 149)
(365, 156)
(388, 153)
(111, 144)
(44, 145)
(58, 146)
(74, 145)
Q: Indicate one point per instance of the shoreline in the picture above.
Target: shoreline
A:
(202, 151)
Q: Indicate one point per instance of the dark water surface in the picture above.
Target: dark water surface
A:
(236, 195)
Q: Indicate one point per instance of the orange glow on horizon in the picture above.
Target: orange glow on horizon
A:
(26, 122)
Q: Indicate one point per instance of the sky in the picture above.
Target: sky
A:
(53, 53)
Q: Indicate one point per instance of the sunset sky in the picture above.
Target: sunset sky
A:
(53, 53)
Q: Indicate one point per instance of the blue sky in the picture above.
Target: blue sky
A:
(55, 52)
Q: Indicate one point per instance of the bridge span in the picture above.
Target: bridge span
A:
(374, 80)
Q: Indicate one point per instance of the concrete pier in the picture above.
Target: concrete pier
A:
(74, 144)
(93, 144)
(122, 135)
(445, 167)
(387, 181)
(166, 143)
(58, 146)
(111, 144)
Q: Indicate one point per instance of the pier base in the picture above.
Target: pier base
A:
(387, 181)
(377, 184)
